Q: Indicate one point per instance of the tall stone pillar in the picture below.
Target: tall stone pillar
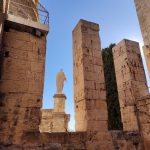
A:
(89, 87)
(143, 12)
(131, 81)
(22, 72)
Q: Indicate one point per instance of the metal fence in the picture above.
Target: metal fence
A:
(29, 11)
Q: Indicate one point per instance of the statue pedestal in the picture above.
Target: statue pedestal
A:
(59, 102)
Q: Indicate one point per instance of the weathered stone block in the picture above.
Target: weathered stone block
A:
(98, 126)
(34, 87)
(37, 67)
(31, 100)
(14, 34)
(129, 118)
(11, 42)
(13, 86)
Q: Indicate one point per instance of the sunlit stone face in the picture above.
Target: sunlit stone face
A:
(36, 1)
(143, 12)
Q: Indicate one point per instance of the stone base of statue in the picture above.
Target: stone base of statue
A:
(55, 120)
(59, 102)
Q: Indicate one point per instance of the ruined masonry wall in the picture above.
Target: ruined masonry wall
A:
(143, 107)
(54, 121)
(75, 141)
(46, 122)
(21, 84)
(131, 81)
(21, 89)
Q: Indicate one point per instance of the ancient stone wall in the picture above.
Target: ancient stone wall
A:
(54, 121)
(50, 141)
(75, 141)
(46, 122)
(143, 110)
(127, 140)
(143, 12)
(21, 90)
(131, 81)
(21, 84)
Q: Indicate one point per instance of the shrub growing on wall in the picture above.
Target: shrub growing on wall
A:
(114, 115)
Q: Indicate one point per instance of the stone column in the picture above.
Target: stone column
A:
(89, 87)
(143, 12)
(131, 81)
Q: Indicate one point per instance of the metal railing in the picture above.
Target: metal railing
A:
(29, 11)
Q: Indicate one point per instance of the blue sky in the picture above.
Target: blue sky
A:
(117, 20)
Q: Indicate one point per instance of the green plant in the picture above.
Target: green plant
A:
(114, 115)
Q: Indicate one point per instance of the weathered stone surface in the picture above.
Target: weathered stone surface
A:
(89, 87)
(21, 85)
(55, 120)
(77, 141)
(143, 110)
(127, 140)
(143, 106)
(131, 81)
(143, 11)
(22, 64)
(53, 141)
(59, 103)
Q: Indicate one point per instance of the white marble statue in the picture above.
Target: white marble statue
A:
(60, 78)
